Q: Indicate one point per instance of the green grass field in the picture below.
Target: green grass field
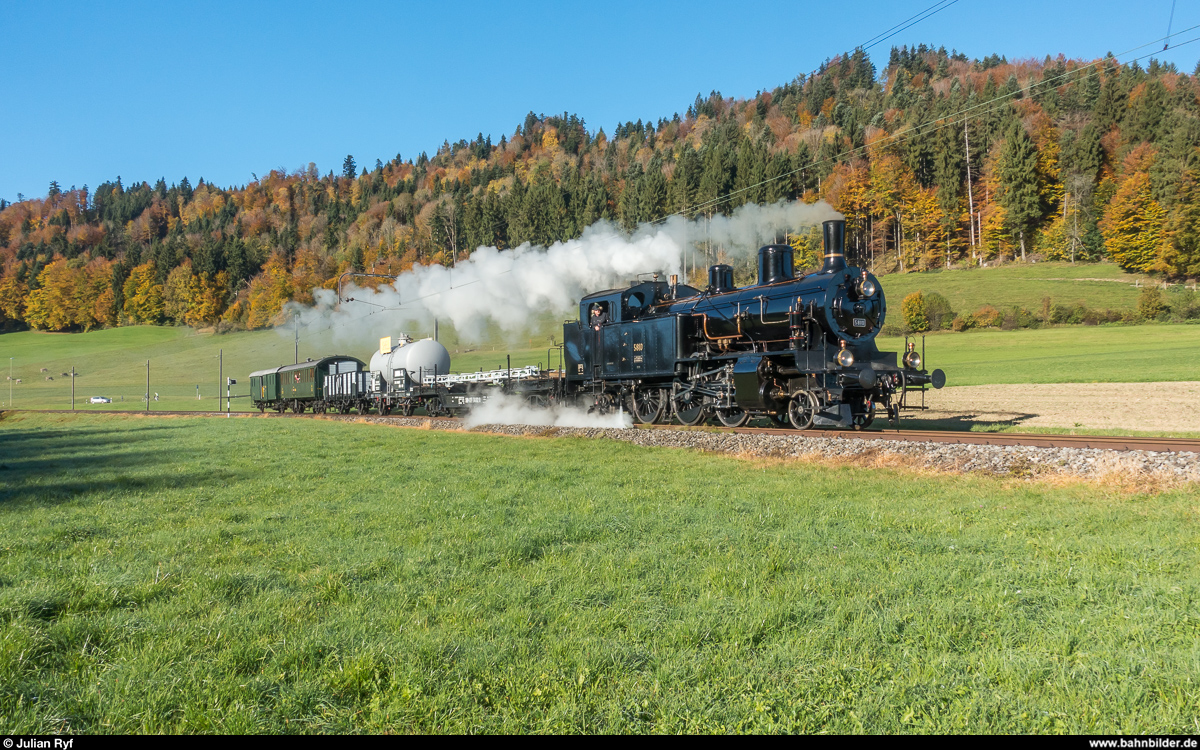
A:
(1064, 354)
(1101, 286)
(113, 362)
(164, 575)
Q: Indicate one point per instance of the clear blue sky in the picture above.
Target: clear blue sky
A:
(221, 90)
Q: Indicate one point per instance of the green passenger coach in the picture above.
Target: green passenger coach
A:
(298, 387)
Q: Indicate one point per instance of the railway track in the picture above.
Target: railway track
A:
(1104, 442)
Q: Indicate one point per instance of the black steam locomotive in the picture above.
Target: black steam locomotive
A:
(794, 349)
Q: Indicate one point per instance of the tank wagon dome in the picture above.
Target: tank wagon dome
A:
(415, 357)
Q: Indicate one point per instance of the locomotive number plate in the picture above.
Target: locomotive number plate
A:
(860, 322)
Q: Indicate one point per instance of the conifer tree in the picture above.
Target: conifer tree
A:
(1018, 180)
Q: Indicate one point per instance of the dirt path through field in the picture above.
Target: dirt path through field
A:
(1132, 406)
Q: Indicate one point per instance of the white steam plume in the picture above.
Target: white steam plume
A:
(505, 409)
(511, 288)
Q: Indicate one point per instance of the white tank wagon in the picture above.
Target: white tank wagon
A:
(406, 375)
(400, 361)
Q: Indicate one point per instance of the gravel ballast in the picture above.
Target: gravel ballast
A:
(1010, 460)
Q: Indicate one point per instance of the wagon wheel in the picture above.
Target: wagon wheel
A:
(689, 408)
(407, 408)
(864, 420)
(538, 401)
(433, 407)
(262, 408)
(733, 417)
(385, 409)
(603, 405)
(802, 409)
(647, 405)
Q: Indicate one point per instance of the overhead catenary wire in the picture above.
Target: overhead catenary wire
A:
(1170, 20)
(952, 119)
(883, 36)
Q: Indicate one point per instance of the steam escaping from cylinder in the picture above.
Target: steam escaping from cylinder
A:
(511, 288)
(505, 409)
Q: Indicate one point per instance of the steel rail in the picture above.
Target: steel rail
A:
(1102, 442)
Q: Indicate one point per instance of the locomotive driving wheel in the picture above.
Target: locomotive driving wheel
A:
(802, 409)
(647, 405)
(733, 417)
(689, 407)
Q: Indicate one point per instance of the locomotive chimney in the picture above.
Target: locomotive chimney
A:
(835, 246)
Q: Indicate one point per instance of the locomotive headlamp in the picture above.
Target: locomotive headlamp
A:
(867, 288)
(912, 360)
(845, 358)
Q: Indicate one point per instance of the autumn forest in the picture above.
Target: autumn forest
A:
(936, 160)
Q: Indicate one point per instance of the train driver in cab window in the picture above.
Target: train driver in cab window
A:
(599, 315)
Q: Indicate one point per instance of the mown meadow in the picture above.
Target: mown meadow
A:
(268, 575)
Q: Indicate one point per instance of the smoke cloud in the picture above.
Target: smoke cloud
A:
(505, 409)
(511, 288)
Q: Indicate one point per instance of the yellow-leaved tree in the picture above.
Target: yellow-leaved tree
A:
(1133, 224)
(179, 292)
(143, 295)
(12, 297)
(268, 291)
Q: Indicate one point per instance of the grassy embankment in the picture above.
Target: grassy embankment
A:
(1100, 286)
(165, 575)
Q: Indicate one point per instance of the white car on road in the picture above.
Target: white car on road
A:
(100, 400)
